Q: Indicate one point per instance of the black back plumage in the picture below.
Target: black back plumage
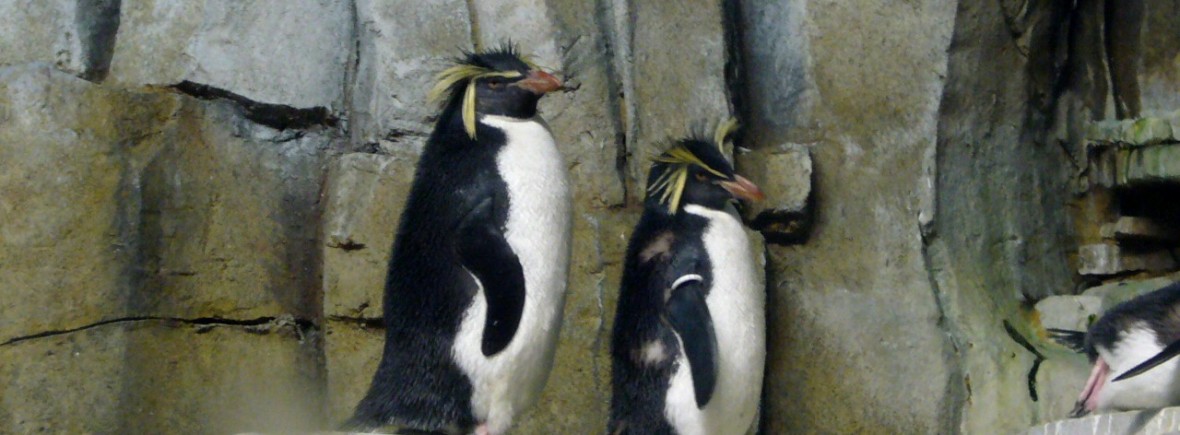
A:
(639, 385)
(417, 385)
(667, 244)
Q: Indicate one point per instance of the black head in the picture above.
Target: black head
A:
(694, 170)
(495, 82)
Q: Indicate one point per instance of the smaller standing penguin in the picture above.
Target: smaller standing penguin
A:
(688, 345)
(1132, 348)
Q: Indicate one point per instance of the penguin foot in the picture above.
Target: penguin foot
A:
(482, 430)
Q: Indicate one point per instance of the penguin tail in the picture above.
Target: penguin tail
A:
(1074, 340)
(357, 423)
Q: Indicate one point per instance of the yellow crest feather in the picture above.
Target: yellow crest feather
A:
(449, 78)
(724, 129)
(677, 160)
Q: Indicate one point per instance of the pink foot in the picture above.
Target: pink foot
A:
(1088, 400)
(482, 430)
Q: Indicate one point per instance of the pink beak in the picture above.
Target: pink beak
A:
(539, 82)
(742, 188)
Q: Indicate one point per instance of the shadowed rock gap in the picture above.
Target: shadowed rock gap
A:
(301, 325)
(277, 116)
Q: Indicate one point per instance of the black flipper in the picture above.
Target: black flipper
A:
(1168, 353)
(1074, 340)
(484, 251)
(689, 316)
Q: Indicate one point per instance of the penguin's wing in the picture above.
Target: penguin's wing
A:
(1168, 353)
(689, 316)
(1074, 340)
(486, 254)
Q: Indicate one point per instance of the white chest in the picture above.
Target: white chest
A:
(1155, 388)
(736, 303)
(538, 230)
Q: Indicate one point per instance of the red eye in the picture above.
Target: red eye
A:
(495, 84)
(701, 177)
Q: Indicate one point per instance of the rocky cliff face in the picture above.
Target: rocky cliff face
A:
(197, 197)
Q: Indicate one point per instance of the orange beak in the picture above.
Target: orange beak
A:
(742, 188)
(539, 82)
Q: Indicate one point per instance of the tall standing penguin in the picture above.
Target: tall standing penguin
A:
(477, 279)
(1133, 348)
(688, 345)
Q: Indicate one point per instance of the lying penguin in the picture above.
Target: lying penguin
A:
(688, 344)
(1132, 348)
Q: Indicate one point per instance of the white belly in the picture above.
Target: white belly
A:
(737, 303)
(538, 230)
(1155, 388)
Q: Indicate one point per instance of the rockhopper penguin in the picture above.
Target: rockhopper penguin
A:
(477, 279)
(1132, 348)
(688, 344)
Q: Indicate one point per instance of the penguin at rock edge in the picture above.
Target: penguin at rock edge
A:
(1132, 348)
(477, 279)
(688, 345)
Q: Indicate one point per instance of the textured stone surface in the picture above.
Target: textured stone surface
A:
(859, 288)
(182, 378)
(75, 36)
(230, 219)
(68, 196)
(63, 383)
(1152, 164)
(784, 174)
(1069, 312)
(364, 201)
(676, 87)
(1159, 76)
(401, 45)
(1149, 422)
(1108, 259)
(946, 138)
(1129, 228)
(278, 52)
(153, 371)
(352, 351)
(1060, 380)
(1114, 293)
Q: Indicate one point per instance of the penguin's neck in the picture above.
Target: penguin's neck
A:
(725, 215)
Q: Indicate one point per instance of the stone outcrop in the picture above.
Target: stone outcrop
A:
(198, 198)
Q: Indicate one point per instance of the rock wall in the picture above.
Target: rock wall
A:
(197, 198)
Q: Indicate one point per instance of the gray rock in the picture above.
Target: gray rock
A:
(1138, 229)
(230, 218)
(1060, 380)
(860, 287)
(72, 382)
(1069, 312)
(1108, 259)
(68, 196)
(352, 351)
(182, 378)
(784, 173)
(1150, 422)
(293, 53)
(1149, 165)
(364, 200)
(676, 86)
(401, 45)
(75, 36)
(1116, 292)
(64, 383)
